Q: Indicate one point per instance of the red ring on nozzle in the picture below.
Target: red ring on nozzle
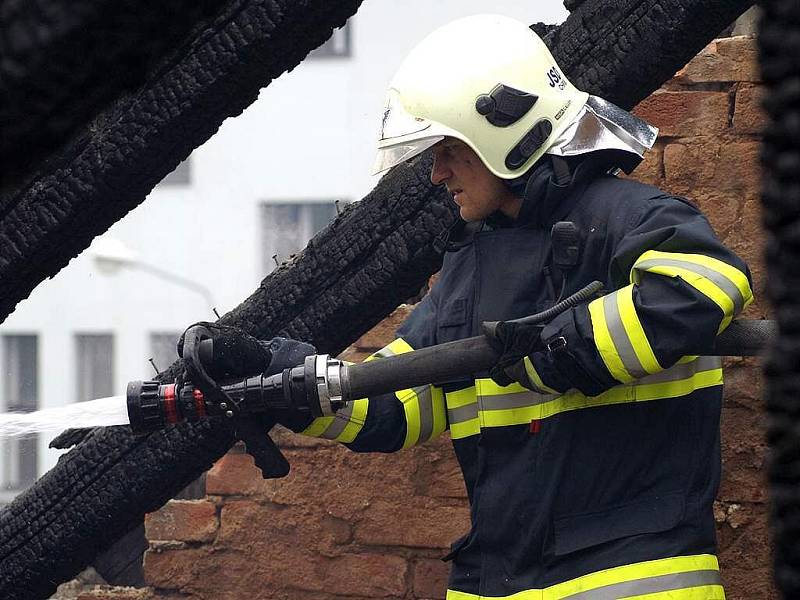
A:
(199, 403)
(170, 405)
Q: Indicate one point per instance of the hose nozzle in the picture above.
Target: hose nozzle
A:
(152, 405)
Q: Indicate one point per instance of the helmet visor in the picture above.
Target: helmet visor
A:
(391, 156)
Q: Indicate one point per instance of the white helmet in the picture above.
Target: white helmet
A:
(487, 80)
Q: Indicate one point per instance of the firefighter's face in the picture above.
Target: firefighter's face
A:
(475, 189)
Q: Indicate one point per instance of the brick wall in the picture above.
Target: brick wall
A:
(344, 525)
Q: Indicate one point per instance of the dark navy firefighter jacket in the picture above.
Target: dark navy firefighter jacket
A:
(597, 479)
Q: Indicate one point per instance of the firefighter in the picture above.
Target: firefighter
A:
(590, 453)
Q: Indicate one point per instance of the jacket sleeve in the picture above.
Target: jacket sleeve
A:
(675, 287)
(390, 422)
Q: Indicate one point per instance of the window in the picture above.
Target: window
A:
(287, 226)
(95, 366)
(18, 460)
(337, 46)
(182, 175)
(163, 349)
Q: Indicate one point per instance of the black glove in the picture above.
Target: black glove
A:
(238, 354)
(515, 341)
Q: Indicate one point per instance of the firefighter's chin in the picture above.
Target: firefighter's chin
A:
(468, 211)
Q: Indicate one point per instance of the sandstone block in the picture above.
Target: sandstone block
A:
(383, 333)
(430, 578)
(743, 457)
(723, 60)
(414, 522)
(234, 474)
(745, 556)
(711, 166)
(748, 116)
(368, 575)
(686, 113)
(105, 592)
(651, 170)
(173, 569)
(183, 520)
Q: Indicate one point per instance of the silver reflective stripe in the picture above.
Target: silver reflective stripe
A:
(340, 421)
(462, 413)
(650, 585)
(514, 400)
(722, 282)
(425, 412)
(622, 343)
(684, 370)
(385, 352)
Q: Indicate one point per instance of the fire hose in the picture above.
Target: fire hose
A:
(323, 385)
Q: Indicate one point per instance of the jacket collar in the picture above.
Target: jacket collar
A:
(548, 198)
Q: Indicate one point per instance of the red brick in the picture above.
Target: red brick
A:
(415, 522)
(686, 113)
(430, 578)
(723, 60)
(183, 520)
(748, 116)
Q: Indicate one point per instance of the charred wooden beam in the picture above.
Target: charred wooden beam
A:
(63, 62)
(109, 165)
(374, 255)
(779, 45)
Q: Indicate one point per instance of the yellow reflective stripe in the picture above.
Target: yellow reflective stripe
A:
(722, 283)
(411, 408)
(461, 398)
(419, 404)
(734, 275)
(633, 327)
(488, 387)
(357, 419)
(702, 285)
(605, 343)
(439, 412)
(398, 346)
(491, 405)
(462, 402)
(536, 380)
(667, 573)
(465, 429)
(318, 426)
(344, 427)
(538, 406)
